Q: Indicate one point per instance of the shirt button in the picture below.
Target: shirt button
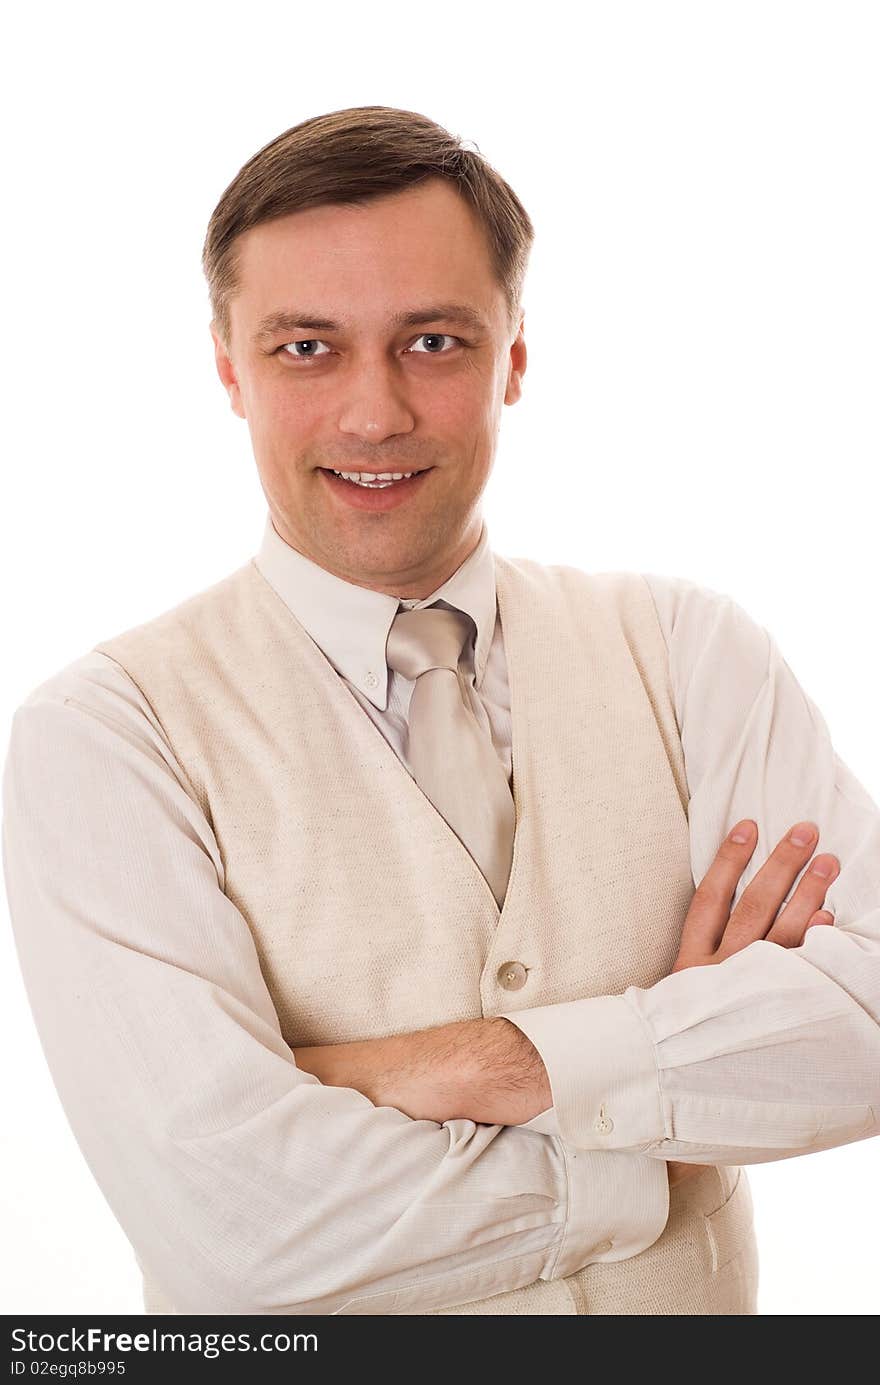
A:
(602, 1247)
(604, 1125)
(371, 681)
(512, 976)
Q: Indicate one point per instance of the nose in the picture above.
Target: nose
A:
(375, 407)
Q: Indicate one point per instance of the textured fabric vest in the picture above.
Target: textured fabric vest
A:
(268, 735)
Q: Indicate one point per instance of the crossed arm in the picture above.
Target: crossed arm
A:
(485, 1070)
(489, 1071)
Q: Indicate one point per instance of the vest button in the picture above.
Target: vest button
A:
(512, 976)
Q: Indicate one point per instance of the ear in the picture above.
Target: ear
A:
(518, 359)
(227, 373)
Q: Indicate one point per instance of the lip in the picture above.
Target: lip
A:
(380, 499)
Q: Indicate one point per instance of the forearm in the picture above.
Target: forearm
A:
(485, 1070)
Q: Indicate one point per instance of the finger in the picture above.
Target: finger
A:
(823, 916)
(791, 925)
(709, 908)
(760, 901)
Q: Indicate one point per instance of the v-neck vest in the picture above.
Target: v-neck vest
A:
(305, 796)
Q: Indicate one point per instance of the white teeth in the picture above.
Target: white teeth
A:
(367, 478)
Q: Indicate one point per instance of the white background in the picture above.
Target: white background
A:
(701, 396)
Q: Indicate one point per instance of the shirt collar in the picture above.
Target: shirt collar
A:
(350, 624)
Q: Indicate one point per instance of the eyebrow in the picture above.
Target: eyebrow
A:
(296, 320)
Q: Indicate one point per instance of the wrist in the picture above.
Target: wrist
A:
(513, 1085)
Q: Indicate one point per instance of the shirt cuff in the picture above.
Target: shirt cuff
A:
(618, 1204)
(603, 1075)
(545, 1123)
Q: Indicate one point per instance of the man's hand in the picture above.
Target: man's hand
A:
(711, 934)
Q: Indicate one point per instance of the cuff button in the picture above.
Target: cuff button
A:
(604, 1124)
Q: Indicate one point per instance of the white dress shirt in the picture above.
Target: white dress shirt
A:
(684, 1056)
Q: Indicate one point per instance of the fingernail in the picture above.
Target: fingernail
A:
(802, 834)
(823, 867)
(742, 832)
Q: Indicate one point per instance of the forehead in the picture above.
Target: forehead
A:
(410, 247)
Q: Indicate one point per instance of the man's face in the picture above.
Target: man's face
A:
(368, 393)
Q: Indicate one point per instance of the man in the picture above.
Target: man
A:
(355, 895)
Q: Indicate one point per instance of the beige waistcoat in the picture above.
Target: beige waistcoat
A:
(269, 735)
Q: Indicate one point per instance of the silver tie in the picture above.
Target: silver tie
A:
(452, 759)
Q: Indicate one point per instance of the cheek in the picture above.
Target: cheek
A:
(281, 413)
(465, 407)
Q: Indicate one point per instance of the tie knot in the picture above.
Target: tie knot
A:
(427, 638)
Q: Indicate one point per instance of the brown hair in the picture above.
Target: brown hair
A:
(351, 156)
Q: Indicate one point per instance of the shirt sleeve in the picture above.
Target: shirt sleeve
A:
(243, 1184)
(774, 1052)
